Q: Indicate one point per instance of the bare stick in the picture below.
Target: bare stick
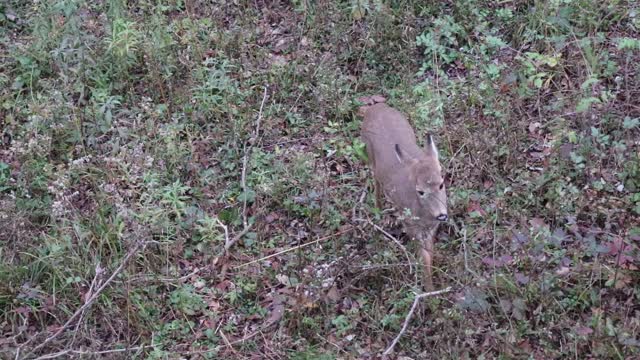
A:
(84, 352)
(94, 283)
(91, 299)
(224, 228)
(217, 348)
(410, 314)
(228, 242)
(464, 248)
(227, 343)
(243, 182)
(264, 98)
(393, 238)
(235, 239)
(243, 178)
(294, 248)
(359, 203)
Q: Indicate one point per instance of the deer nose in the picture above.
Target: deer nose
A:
(442, 217)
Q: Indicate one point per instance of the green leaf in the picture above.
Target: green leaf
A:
(585, 104)
(249, 196)
(628, 43)
(474, 300)
(495, 42)
(228, 216)
(249, 239)
(630, 123)
(537, 82)
(590, 81)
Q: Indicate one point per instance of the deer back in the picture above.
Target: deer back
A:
(410, 176)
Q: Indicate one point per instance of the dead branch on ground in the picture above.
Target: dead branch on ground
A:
(410, 314)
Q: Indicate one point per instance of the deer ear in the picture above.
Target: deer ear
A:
(430, 147)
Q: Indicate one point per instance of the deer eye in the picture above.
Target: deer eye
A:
(441, 185)
(421, 193)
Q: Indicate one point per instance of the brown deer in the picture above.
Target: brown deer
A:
(409, 176)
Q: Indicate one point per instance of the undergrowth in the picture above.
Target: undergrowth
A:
(208, 157)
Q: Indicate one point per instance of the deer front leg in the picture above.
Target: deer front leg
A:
(377, 189)
(427, 275)
(426, 253)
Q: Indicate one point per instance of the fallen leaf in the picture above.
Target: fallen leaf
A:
(271, 217)
(525, 345)
(475, 209)
(23, 310)
(619, 280)
(537, 223)
(583, 330)
(501, 261)
(558, 236)
(621, 251)
(214, 305)
(224, 285)
(474, 300)
(534, 126)
(199, 284)
(277, 310)
(562, 271)
(283, 279)
(522, 278)
(333, 294)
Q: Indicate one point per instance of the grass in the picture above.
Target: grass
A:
(126, 130)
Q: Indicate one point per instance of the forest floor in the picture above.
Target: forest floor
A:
(186, 180)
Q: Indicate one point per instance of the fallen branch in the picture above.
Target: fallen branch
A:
(243, 177)
(410, 314)
(226, 344)
(393, 238)
(93, 353)
(359, 203)
(89, 301)
(294, 248)
(229, 243)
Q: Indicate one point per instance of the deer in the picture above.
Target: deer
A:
(409, 176)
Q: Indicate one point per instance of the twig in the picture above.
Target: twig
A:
(410, 314)
(391, 237)
(146, 277)
(84, 352)
(294, 248)
(91, 299)
(359, 203)
(264, 98)
(243, 182)
(229, 242)
(247, 149)
(226, 342)
(217, 348)
(235, 239)
(383, 266)
(224, 228)
(466, 254)
(94, 283)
